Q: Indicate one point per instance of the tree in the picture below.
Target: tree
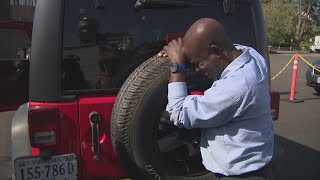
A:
(303, 20)
(287, 20)
(315, 13)
(307, 19)
(279, 21)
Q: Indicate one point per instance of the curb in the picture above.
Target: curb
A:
(287, 52)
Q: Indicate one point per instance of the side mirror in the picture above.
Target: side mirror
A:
(228, 6)
(88, 29)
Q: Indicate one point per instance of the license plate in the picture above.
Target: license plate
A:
(56, 168)
(318, 80)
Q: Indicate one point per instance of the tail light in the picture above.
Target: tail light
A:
(43, 126)
(275, 104)
(197, 93)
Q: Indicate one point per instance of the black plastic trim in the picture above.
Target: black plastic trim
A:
(92, 91)
(45, 67)
(259, 25)
(45, 63)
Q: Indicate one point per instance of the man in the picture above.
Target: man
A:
(234, 114)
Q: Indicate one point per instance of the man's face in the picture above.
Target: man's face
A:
(207, 63)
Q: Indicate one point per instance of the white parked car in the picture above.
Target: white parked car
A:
(316, 45)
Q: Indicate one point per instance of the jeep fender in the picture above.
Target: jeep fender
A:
(20, 143)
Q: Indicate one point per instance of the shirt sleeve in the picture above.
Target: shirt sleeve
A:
(215, 108)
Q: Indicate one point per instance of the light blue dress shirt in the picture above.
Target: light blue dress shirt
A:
(234, 114)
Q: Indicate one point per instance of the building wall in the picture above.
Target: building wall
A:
(11, 41)
(4, 9)
(21, 13)
(17, 10)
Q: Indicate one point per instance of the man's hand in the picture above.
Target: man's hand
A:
(175, 51)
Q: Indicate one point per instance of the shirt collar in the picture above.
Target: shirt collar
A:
(238, 62)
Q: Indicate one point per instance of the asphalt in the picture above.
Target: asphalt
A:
(287, 52)
(297, 144)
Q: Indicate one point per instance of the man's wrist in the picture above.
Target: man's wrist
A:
(179, 62)
(177, 68)
(178, 77)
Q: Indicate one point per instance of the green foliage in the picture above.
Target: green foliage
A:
(281, 17)
(315, 13)
(305, 45)
(279, 21)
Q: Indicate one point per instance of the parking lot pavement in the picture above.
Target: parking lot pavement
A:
(5, 145)
(297, 144)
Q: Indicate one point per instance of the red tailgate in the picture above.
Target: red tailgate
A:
(103, 163)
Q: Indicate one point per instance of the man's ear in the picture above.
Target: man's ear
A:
(216, 50)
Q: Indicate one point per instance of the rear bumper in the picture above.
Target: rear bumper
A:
(312, 79)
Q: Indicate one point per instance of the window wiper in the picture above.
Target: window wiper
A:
(164, 4)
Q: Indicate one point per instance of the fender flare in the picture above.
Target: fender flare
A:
(20, 143)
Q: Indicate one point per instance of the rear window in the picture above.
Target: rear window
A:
(13, 43)
(14, 68)
(102, 46)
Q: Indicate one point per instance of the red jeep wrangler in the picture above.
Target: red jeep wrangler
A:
(98, 93)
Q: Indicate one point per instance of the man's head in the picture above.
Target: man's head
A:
(208, 47)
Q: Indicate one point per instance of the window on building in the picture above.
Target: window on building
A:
(16, 42)
(23, 2)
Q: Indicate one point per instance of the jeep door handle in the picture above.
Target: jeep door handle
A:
(94, 118)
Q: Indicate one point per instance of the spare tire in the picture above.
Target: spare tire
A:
(147, 146)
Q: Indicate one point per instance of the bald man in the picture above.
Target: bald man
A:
(234, 114)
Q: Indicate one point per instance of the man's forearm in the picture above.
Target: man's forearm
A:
(178, 77)
(177, 92)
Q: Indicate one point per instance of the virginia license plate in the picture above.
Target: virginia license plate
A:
(56, 168)
(318, 80)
